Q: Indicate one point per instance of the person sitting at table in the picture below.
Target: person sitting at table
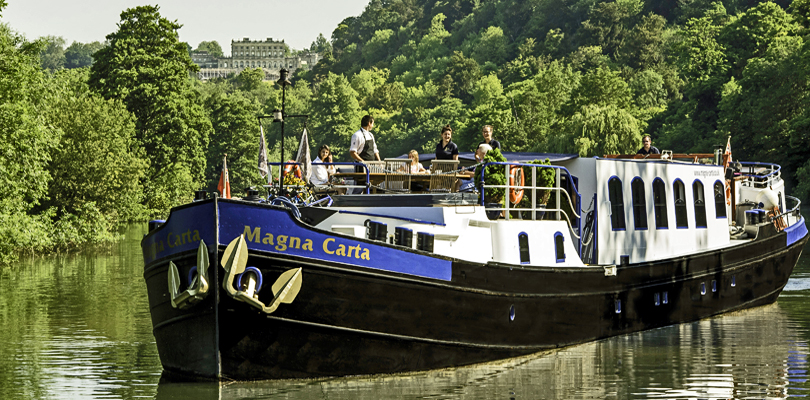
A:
(446, 149)
(320, 171)
(416, 167)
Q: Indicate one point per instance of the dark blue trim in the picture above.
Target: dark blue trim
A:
(674, 202)
(418, 221)
(796, 232)
(557, 256)
(621, 185)
(753, 164)
(527, 247)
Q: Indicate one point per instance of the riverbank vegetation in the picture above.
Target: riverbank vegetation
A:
(97, 135)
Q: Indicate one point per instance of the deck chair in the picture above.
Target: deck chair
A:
(397, 177)
(441, 178)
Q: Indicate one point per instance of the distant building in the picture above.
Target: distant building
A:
(204, 60)
(269, 55)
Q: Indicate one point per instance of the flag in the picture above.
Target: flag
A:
(303, 158)
(728, 152)
(264, 171)
(224, 186)
(727, 164)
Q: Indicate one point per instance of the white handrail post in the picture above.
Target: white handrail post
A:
(506, 193)
(557, 181)
(534, 193)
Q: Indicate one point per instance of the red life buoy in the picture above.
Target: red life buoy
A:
(516, 178)
(291, 166)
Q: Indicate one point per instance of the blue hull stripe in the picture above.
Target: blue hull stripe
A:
(796, 232)
(274, 231)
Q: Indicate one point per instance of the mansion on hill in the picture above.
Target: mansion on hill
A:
(269, 55)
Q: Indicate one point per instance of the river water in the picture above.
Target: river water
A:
(78, 327)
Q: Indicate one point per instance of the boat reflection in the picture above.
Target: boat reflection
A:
(755, 353)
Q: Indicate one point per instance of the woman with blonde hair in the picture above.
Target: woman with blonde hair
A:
(416, 167)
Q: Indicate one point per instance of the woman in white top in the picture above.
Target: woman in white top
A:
(321, 172)
(416, 167)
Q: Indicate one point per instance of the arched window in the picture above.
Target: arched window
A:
(616, 204)
(679, 195)
(639, 204)
(719, 200)
(660, 204)
(523, 246)
(559, 249)
(700, 204)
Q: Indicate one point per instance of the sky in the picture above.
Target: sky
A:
(298, 22)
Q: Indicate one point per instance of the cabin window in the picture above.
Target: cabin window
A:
(523, 246)
(559, 249)
(660, 204)
(680, 204)
(639, 204)
(719, 200)
(700, 204)
(616, 204)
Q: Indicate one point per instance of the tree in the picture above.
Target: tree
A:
(335, 113)
(749, 34)
(236, 134)
(377, 48)
(320, 45)
(491, 46)
(147, 68)
(250, 78)
(97, 160)
(213, 48)
(53, 54)
(79, 55)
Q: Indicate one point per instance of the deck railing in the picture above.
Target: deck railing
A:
(534, 211)
(759, 175)
(366, 187)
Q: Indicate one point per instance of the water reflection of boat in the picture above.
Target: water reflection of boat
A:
(386, 283)
(749, 354)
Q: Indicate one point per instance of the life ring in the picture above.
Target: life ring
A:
(516, 178)
(291, 166)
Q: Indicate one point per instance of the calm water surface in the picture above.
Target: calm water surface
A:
(78, 327)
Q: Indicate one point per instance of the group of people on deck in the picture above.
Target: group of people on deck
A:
(363, 148)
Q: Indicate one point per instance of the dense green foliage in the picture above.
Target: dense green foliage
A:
(131, 132)
(575, 76)
(213, 48)
(147, 68)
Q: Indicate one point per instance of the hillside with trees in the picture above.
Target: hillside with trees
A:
(98, 135)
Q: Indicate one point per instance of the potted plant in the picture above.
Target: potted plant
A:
(494, 175)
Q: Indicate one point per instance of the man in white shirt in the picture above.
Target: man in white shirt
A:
(364, 147)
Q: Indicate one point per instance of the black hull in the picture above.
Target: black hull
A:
(348, 320)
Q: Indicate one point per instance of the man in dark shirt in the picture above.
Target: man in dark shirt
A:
(648, 147)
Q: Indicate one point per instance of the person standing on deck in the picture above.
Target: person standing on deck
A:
(364, 147)
(648, 148)
(446, 149)
(486, 132)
